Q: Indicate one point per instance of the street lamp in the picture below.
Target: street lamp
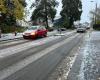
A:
(95, 18)
(96, 12)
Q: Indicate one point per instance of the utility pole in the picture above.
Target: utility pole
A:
(95, 19)
(94, 16)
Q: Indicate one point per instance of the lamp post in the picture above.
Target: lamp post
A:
(96, 12)
(94, 16)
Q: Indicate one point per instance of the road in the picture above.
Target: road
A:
(35, 60)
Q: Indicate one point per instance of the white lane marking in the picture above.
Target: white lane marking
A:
(14, 42)
(18, 66)
(15, 49)
(71, 64)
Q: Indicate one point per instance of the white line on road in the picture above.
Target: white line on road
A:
(20, 65)
(13, 42)
(18, 48)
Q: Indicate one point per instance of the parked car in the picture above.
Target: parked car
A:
(88, 27)
(81, 29)
(34, 32)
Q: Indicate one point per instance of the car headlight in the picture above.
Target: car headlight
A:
(33, 33)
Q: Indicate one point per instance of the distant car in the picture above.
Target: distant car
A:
(81, 29)
(34, 32)
(88, 27)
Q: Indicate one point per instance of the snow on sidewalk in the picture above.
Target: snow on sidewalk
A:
(12, 36)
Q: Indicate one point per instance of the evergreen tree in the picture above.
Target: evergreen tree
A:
(44, 9)
(72, 10)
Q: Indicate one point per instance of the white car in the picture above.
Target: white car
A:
(81, 29)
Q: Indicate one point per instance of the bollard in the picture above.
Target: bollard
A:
(15, 33)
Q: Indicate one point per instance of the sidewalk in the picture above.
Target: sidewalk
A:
(87, 64)
(12, 36)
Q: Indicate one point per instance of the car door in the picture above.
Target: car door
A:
(40, 31)
(44, 30)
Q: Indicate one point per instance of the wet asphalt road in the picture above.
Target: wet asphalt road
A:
(42, 67)
(12, 43)
(87, 64)
(9, 60)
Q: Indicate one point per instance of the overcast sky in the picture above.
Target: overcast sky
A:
(59, 8)
(86, 4)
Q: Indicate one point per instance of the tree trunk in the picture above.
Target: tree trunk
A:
(46, 15)
(71, 22)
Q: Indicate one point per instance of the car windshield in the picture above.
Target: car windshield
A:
(32, 28)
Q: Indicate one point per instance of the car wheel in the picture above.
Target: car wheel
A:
(45, 35)
(24, 37)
